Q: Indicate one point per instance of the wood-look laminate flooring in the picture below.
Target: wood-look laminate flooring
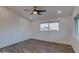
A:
(37, 46)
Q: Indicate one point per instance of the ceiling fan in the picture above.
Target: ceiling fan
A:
(35, 11)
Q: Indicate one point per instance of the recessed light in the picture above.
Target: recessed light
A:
(59, 11)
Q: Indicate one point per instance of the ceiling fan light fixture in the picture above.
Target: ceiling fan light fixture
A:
(35, 12)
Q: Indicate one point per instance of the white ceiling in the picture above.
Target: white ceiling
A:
(52, 11)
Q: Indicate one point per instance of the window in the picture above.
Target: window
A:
(54, 26)
(50, 26)
(77, 24)
(44, 27)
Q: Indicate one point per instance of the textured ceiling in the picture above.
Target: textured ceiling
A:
(52, 11)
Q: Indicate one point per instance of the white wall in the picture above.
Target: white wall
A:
(63, 36)
(75, 40)
(13, 28)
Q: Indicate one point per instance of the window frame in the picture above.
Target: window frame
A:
(76, 19)
(48, 26)
(43, 23)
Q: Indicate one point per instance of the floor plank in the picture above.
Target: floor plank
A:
(37, 46)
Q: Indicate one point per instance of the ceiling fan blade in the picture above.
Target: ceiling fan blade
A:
(39, 13)
(27, 10)
(41, 10)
